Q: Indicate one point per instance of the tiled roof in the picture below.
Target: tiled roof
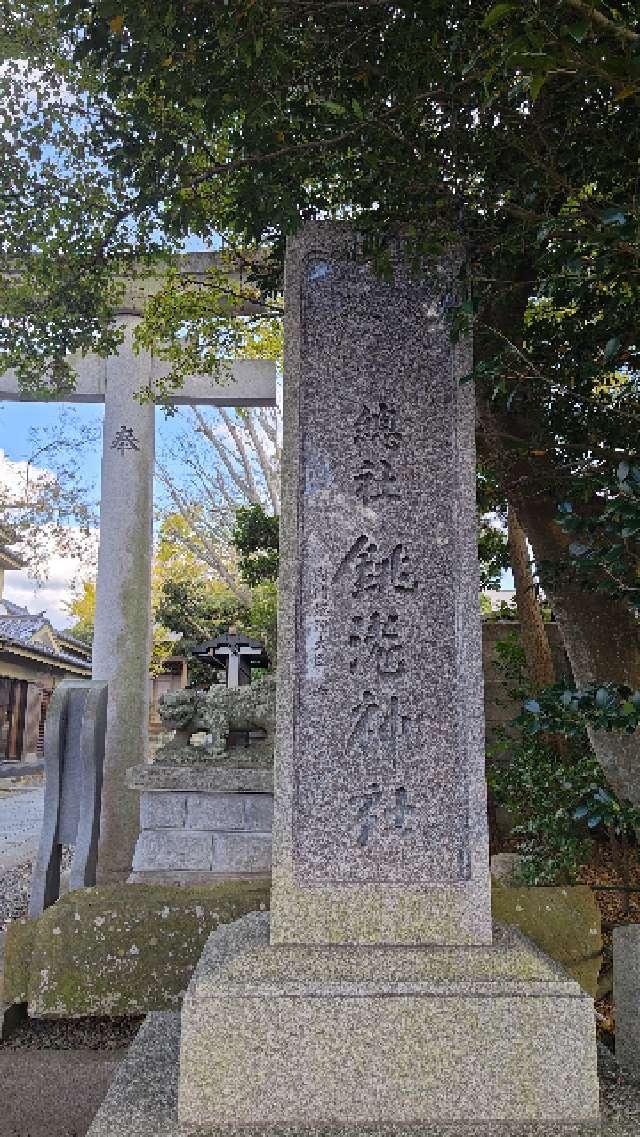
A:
(15, 609)
(20, 630)
(68, 639)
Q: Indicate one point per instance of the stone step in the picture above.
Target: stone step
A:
(142, 1100)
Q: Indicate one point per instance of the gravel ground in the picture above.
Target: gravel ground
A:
(21, 808)
(15, 885)
(73, 1034)
(14, 892)
(620, 1098)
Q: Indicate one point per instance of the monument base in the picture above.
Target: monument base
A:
(314, 1038)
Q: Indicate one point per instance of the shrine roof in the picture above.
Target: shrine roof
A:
(19, 629)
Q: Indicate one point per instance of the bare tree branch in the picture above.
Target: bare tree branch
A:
(272, 482)
(254, 493)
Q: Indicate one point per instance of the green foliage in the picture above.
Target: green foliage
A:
(195, 328)
(197, 610)
(256, 537)
(511, 128)
(200, 610)
(505, 611)
(512, 664)
(566, 710)
(544, 773)
(605, 549)
(492, 553)
(559, 805)
(82, 607)
(492, 528)
(261, 621)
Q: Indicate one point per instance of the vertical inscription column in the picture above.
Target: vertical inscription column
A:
(381, 823)
(122, 636)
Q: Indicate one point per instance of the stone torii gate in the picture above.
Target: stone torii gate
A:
(123, 626)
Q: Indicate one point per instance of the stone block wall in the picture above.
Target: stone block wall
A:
(188, 835)
(499, 708)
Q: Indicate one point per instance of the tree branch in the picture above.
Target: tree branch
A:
(599, 18)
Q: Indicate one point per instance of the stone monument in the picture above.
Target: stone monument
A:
(377, 997)
(73, 759)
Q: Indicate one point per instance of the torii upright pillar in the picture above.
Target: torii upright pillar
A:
(123, 624)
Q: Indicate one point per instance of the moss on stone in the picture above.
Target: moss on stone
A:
(18, 948)
(121, 949)
(564, 923)
(129, 949)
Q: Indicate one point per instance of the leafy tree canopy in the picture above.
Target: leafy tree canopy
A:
(512, 128)
(256, 538)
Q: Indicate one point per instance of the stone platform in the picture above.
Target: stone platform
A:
(338, 1041)
(201, 824)
(384, 1036)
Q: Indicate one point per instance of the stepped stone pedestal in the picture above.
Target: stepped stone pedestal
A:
(379, 998)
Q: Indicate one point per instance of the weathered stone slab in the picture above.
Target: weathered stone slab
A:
(212, 779)
(160, 810)
(74, 747)
(242, 853)
(121, 950)
(173, 849)
(380, 825)
(564, 922)
(215, 811)
(258, 812)
(626, 996)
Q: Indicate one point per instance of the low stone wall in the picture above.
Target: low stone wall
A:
(119, 949)
(131, 949)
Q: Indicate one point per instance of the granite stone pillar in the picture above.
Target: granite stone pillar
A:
(380, 830)
(122, 634)
(377, 999)
(626, 996)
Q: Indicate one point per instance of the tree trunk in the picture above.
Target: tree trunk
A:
(533, 634)
(600, 635)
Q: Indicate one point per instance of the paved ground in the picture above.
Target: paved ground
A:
(55, 1074)
(20, 820)
(53, 1093)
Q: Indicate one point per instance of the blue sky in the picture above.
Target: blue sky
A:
(18, 421)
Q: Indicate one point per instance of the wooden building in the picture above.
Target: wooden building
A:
(34, 657)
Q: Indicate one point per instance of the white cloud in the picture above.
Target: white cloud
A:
(49, 595)
(59, 573)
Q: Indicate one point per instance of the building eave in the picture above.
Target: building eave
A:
(43, 657)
